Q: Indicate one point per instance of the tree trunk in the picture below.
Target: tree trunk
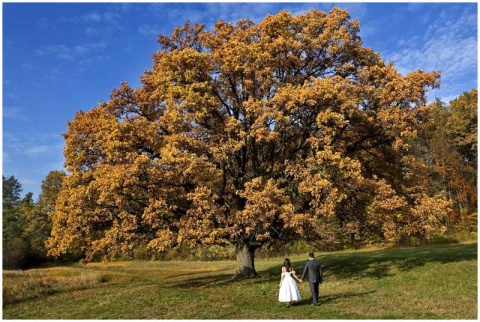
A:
(245, 261)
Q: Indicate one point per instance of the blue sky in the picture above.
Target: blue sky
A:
(59, 58)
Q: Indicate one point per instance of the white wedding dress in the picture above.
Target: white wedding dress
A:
(288, 290)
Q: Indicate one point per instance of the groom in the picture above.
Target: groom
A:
(315, 277)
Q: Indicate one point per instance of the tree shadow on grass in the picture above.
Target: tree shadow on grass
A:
(371, 264)
(325, 299)
(333, 297)
(380, 263)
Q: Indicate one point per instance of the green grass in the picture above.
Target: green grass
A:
(429, 282)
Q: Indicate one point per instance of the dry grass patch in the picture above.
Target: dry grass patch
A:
(24, 285)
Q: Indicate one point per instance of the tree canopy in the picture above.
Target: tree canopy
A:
(250, 134)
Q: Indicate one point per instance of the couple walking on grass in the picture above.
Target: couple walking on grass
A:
(288, 288)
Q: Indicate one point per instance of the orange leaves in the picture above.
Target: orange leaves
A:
(398, 218)
(163, 240)
(266, 204)
(326, 179)
(204, 222)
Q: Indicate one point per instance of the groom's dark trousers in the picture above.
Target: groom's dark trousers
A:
(314, 289)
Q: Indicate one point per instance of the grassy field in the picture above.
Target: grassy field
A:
(429, 282)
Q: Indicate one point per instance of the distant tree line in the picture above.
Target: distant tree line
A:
(446, 142)
(26, 222)
(448, 145)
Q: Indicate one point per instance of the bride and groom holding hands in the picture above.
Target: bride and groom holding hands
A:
(288, 287)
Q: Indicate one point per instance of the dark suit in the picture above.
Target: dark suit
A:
(315, 277)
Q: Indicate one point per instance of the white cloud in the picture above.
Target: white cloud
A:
(62, 52)
(58, 51)
(27, 66)
(91, 31)
(44, 23)
(446, 100)
(32, 145)
(6, 157)
(91, 17)
(55, 73)
(30, 156)
(149, 30)
(34, 151)
(449, 45)
(87, 48)
(111, 17)
(16, 113)
(11, 142)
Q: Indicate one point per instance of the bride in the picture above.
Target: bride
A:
(288, 288)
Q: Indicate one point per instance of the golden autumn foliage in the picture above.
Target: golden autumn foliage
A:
(450, 143)
(249, 134)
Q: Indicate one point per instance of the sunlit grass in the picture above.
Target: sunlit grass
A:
(431, 282)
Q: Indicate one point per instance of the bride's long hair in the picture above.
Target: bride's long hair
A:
(287, 264)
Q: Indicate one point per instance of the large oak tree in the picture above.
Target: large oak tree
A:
(249, 134)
